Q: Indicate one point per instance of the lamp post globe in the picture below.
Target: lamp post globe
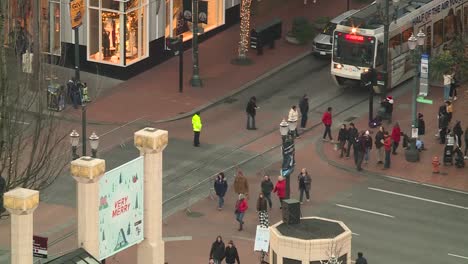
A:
(412, 42)
(421, 38)
(74, 141)
(94, 142)
(284, 128)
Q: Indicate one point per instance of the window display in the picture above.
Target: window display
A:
(117, 38)
(19, 18)
(179, 21)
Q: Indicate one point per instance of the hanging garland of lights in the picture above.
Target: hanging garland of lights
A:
(244, 28)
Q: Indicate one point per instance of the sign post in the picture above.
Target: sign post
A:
(262, 239)
(40, 246)
(121, 208)
(424, 77)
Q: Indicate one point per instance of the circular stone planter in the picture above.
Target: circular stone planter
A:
(313, 240)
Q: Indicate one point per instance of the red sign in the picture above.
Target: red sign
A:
(40, 246)
(356, 38)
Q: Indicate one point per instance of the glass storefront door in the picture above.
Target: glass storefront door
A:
(117, 31)
(176, 25)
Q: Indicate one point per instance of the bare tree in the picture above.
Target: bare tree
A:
(333, 253)
(30, 141)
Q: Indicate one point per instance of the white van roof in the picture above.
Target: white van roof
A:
(343, 16)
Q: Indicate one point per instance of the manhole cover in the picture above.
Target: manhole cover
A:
(349, 119)
(194, 214)
(230, 100)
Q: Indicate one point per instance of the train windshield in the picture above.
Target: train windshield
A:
(353, 49)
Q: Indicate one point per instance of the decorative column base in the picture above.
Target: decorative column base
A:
(150, 253)
(22, 228)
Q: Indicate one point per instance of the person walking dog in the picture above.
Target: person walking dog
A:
(220, 186)
(197, 126)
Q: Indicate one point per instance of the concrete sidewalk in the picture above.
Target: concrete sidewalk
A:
(421, 172)
(153, 95)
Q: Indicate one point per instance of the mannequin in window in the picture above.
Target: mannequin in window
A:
(106, 43)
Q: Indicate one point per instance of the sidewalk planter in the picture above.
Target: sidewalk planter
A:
(301, 31)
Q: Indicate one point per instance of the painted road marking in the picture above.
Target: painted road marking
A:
(177, 238)
(442, 188)
(363, 210)
(419, 198)
(355, 234)
(401, 179)
(457, 256)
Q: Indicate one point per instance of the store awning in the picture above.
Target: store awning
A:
(79, 256)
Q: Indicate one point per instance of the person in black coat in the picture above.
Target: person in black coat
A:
(353, 134)
(342, 137)
(251, 111)
(379, 139)
(304, 107)
(220, 187)
(361, 259)
(458, 131)
(359, 150)
(217, 252)
(231, 253)
(421, 125)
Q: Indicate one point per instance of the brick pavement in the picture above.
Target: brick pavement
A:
(154, 94)
(450, 176)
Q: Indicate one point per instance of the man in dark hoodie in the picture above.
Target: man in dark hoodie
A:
(267, 188)
(231, 254)
(361, 259)
(304, 107)
(217, 252)
(353, 134)
(251, 111)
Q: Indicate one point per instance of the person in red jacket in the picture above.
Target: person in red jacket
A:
(396, 136)
(327, 121)
(387, 142)
(241, 207)
(280, 189)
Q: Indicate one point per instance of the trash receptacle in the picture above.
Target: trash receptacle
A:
(56, 97)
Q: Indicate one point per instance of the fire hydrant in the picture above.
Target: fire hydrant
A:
(435, 165)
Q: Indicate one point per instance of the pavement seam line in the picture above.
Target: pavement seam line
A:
(457, 256)
(418, 198)
(364, 210)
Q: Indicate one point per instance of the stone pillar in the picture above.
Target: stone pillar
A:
(151, 143)
(87, 172)
(21, 204)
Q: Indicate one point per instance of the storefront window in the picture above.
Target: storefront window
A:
(109, 41)
(19, 25)
(177, 25)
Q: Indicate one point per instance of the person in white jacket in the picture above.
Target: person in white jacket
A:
(293, 116)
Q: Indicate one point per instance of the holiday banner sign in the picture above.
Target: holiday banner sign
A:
(121, 208)
(77, 11)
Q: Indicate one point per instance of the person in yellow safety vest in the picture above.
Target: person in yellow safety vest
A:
(197, 126)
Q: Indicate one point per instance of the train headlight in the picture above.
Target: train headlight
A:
(337, 66)
(354, 30)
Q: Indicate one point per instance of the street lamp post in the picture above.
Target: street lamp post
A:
(287, 131)
(414, 44)
(75, 140)
(386, 22)
(195, 81)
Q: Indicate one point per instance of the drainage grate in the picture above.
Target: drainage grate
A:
(194, 214)
(349, 119)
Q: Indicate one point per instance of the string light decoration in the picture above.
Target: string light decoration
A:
(333, 260)
(244, 28)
